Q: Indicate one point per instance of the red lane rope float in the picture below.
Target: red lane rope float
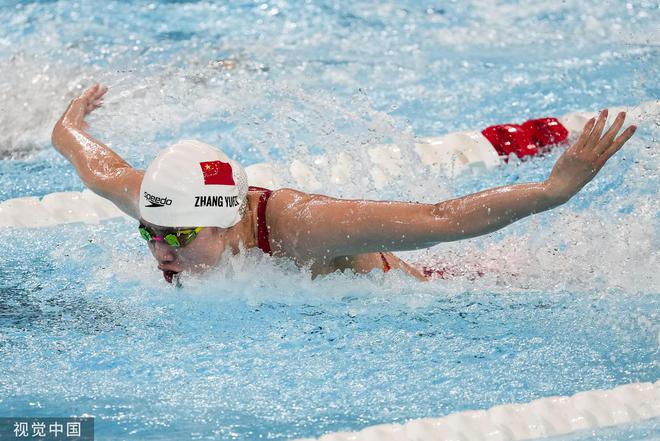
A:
(525, 139)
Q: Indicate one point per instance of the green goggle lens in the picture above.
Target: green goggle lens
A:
(145, 234)
(172, 239)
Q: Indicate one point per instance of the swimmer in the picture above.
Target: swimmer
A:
(193, 203)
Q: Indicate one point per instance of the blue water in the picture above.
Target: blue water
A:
(256, 349)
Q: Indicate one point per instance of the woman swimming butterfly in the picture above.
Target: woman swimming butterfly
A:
(193, 203)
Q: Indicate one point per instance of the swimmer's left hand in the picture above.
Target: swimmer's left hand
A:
(582, 161)
(90, 100)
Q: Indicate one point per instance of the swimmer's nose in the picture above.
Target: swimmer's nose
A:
(164, 253)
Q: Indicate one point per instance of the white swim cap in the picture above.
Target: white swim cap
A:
(191, 184)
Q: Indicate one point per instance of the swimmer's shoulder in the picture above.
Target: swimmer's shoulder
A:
(285, 202)
(289, 203)
(286, 218)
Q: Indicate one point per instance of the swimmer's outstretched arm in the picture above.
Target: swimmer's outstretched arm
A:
(330, 227)
(101, 169)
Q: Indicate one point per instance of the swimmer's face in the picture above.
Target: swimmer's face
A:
(200, 254)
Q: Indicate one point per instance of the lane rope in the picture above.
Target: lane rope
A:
(551, 416)
(454, 153)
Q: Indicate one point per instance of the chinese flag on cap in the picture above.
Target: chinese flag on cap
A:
(217, 173)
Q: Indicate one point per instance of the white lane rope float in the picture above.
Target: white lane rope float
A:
(454, 153)
(551, 416)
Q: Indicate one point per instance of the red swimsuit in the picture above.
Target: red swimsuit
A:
(262, 228)
(386, 264)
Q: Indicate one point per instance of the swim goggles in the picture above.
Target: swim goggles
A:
(180, 238)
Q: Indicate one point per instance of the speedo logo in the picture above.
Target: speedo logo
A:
(157, 201)
(216, 201)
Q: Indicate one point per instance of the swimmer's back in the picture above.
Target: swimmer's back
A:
(295, 233)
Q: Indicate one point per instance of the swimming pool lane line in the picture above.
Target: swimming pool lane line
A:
(551, 416)
(453, 154)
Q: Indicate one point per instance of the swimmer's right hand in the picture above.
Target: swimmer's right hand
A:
(90, 100)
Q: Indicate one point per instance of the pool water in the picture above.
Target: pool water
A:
(256, 350)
